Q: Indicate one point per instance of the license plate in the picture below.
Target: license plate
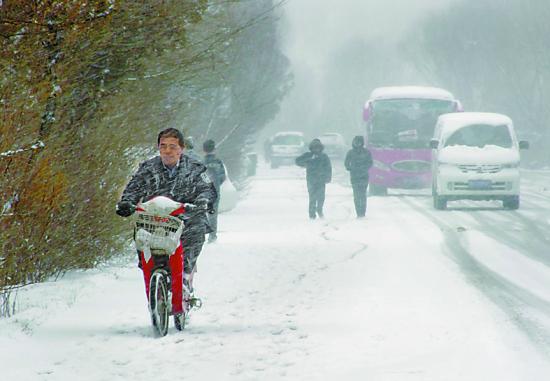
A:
(480, 184)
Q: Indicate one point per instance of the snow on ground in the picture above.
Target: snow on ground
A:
(288, 298)
(505, 261)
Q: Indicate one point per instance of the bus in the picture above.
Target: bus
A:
(400, 122)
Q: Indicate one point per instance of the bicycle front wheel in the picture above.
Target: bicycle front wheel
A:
(159, 305)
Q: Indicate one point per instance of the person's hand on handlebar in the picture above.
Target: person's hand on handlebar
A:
(125, 208)
(200, 204)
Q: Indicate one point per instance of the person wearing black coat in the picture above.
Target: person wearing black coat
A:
(181, 178)
(216, 171)
(318, 174)
(358, 162)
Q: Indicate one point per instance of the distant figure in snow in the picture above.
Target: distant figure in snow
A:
(318, 174)
(216, 171)
(267, 149)
(190, 149)
(358, 162)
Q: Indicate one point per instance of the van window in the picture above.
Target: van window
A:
(480, 135)
(287, 140)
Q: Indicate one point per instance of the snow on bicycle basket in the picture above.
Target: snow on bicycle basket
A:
(156, 231)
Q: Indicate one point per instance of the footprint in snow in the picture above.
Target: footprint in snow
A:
(121, 362)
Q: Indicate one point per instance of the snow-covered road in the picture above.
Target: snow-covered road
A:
(408, 293)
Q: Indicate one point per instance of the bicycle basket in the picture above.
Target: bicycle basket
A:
(160, 234)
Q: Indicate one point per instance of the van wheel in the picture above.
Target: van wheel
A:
(440, 202)
(511, 203)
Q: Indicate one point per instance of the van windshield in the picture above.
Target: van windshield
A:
(481, 135)
(287, 140)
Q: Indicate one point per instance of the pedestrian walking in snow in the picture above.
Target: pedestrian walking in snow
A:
(358, 162)
(318, 174)
(216, 171)
(267, 149)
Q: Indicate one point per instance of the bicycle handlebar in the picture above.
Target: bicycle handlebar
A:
(194, 207)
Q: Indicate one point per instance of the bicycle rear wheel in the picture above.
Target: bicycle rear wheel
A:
(159, 305)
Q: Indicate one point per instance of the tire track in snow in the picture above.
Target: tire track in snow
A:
(530, 241)
(515, 301)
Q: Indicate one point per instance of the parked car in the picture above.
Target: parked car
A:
(286, 146)
(476, 157)
(335, 145)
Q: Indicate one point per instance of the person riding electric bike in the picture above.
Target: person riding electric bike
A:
(181, 178)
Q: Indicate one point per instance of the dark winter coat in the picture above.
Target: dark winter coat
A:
(318, 167)
(189, 182)
(216, 169)
(358, 162)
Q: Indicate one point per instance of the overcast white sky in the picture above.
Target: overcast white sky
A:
(312, 28)
(313, 31)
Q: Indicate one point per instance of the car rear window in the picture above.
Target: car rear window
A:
(330, 139)
(288, 140)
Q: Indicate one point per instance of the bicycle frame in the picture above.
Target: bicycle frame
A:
(157, 235)
(174, 269)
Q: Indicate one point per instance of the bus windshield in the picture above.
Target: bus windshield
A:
(405, 123)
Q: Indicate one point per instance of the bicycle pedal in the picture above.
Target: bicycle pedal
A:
(195, 303)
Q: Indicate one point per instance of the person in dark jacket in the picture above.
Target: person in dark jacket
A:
(216, 171)
(181, 178)
(190, 149)
(318, 174)
(358, 162)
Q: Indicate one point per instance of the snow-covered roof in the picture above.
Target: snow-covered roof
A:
(297, 133)
(410, 92)
(331, 134)
(449, 123)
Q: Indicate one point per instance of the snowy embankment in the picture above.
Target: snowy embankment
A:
(284, 298)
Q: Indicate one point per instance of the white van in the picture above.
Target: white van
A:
(475, 157)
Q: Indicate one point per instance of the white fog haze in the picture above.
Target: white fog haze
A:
(342, 48)
(275, 190)
(339, 51)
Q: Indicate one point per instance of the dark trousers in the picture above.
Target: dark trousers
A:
(191, 255)
(316, 198)
(192, 247)
(213, 220)
(360, 198)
